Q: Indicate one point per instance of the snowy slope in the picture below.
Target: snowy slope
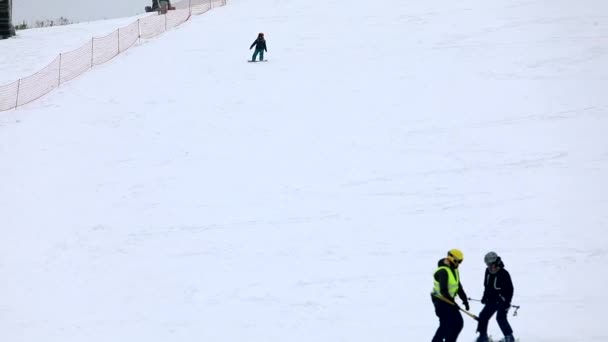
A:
(309, 198)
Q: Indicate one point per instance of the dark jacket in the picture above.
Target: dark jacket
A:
(442, 277)
(259, 43)
(498, 287)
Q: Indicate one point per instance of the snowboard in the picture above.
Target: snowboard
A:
(250, 61)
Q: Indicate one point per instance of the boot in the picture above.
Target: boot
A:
(483, 338)
(509, 338)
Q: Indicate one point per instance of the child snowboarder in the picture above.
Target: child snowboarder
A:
(260, 47)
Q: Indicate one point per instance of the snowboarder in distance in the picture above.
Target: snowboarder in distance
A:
(497, 295)
(446, 286)
(260, 47)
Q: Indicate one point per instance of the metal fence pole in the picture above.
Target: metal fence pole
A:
(18, 90)
(59, 77)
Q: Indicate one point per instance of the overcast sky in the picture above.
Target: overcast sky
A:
(75, 10)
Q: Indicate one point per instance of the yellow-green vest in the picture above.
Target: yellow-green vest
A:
(453, 282)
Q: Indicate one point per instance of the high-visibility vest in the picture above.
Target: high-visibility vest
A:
(453, 282)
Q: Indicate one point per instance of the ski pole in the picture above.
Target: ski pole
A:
(468, 313)
(513, 306)
(458, 306)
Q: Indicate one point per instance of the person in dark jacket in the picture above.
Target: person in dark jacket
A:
(497, 295)
(260, 47)
(446, 286)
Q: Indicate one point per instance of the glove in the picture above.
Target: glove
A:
(466, 304)
(484, 300)
(503, 302)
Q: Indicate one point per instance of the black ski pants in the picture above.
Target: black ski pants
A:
(450, 321)
(501, 310)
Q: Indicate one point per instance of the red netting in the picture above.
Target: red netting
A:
(200, 6)
(97, 51)
(128, 36)
(8, 96)
(184, 4)
(152, 26)
(105, 48)
(40, 83)
(76, 62)
(177, 17)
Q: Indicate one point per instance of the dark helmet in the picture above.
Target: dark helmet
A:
(491, 258)
(260, 34)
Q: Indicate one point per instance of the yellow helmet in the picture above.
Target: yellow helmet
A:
(455, 256)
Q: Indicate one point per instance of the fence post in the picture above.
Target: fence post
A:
(18, 90)
(138, 31)
(59, 77)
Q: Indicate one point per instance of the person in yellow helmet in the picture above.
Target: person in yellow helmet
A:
(446, 287)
